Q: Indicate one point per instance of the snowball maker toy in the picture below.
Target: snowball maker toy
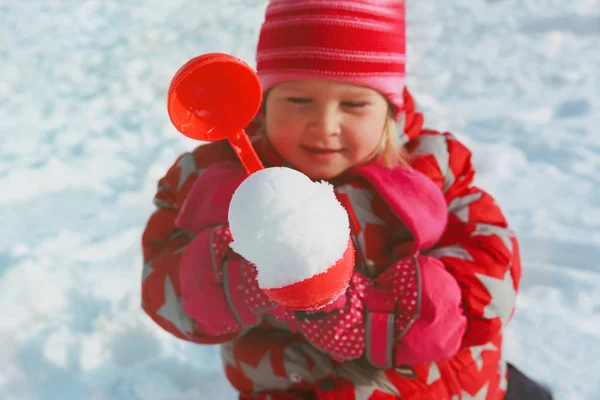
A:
(297, 234)
(213, 97)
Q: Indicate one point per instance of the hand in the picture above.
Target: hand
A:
(207, 202)
(260, 303)
(341, 332)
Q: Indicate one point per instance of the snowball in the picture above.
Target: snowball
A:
(288, 226)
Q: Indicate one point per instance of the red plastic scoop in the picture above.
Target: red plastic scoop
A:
(213, 97)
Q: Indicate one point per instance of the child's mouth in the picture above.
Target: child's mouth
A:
(320, 150)
(321, 155)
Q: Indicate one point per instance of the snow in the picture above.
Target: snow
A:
(290, 227)
(85, 137)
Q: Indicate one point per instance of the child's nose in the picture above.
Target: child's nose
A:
(326, 121)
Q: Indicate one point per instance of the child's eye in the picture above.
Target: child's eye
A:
(354, 104)
(299, 100)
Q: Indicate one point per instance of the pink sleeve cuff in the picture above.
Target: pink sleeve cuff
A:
(436, 334)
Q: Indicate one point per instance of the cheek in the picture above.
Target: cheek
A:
(282, 133)
(281, 142)
(364, 139)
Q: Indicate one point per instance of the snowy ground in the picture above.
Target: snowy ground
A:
(85, 135)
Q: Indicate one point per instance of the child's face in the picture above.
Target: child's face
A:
(324, 127)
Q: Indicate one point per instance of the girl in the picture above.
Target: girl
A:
(437, 269)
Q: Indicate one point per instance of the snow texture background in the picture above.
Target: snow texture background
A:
(85, 137)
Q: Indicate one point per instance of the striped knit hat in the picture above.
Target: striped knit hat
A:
(361, 42)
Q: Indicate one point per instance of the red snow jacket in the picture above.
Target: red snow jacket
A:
(435, 281)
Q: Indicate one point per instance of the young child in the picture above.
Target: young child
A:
(437, 268)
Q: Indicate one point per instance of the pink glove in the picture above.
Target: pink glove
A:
(224, 297)
(344, 333)
(201, 280)
(340, 332)
(208, 269)
(207, 203)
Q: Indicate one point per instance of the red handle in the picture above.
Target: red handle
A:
(243, 148)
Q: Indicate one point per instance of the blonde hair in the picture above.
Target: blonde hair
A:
(389, 150)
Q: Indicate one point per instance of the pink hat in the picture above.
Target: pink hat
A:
(362, 42)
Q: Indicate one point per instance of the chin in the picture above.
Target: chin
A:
(322, 175)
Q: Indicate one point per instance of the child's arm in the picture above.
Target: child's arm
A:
(168, 242)
(477, 248)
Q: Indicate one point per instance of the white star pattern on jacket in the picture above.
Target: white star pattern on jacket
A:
(147, 270)
(476, 353)
(383, 385)
(481, 395)
(455, 251)
(434, 373)
(437, 146)
(227, 354)
(503, 233)
(263, 376)
(188, 166)
(172, 310)
(502, 372)
(361, 200)
(503, 296)
(460, 205)
(295, 363)
(361, 203)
